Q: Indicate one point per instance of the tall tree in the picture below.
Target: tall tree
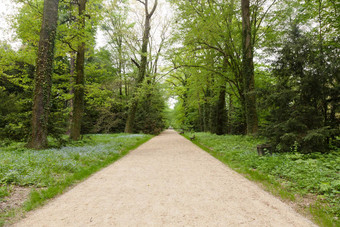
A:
(78, 101)
(143, 64)
(248, 70)
(43, 78)
(117, 30)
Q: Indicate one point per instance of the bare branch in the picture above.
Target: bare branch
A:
(153, 9)
(264, 15)
(141, 2)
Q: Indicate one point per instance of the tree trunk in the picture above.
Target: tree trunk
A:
(248, 70)
(71, 92)
(142, 68)
(231, 111)
(78, 103)
(206, 115)
(200, 114)
(43, 77)
(120, 66)
(221, 111)
(126, 87)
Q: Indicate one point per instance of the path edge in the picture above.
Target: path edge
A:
(314, 213)
(38, 199)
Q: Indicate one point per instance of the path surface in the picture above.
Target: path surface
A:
(167, 181)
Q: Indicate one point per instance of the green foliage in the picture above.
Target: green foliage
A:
(210, 47)
(296, 173)
(109, 72)
(151, 117)
(16, 76)
(4, 191)
(103, 112)
(211, 91)
(301, 104)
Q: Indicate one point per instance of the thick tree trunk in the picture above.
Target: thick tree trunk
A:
(43, 78)
(142, 67)
(78, 101)
(248, 70)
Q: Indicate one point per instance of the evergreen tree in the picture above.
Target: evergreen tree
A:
(298, 120)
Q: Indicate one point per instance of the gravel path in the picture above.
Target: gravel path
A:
(167, 181)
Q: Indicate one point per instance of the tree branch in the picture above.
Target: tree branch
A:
(136, 63)
(141, 2)
(153, 9)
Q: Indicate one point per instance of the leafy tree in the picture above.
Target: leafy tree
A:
(118, 32)
(142, 66)
(105, 109)
(211, 33)
(150, 115)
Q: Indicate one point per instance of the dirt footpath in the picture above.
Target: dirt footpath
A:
(167, 181)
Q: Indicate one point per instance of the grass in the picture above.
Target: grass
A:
(50, 172)
(4, 191)
(292, 176)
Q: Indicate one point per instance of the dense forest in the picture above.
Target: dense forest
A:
(229, 74)
(270, 68)
(251, 67)
(57, 83)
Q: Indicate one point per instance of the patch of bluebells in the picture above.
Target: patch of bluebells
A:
(130, 136)
(48, 167)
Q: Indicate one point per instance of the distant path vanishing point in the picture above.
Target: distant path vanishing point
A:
(167, 181)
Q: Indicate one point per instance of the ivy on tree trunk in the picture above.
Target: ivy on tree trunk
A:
(43, 77)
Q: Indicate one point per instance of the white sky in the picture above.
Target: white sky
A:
(7, 9)
(163, 13)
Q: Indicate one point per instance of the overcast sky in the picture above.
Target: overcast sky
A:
(7, 9)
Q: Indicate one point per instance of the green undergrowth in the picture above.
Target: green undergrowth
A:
(310, 180)
(50, 172)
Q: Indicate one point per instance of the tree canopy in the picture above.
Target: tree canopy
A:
(262, 67)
